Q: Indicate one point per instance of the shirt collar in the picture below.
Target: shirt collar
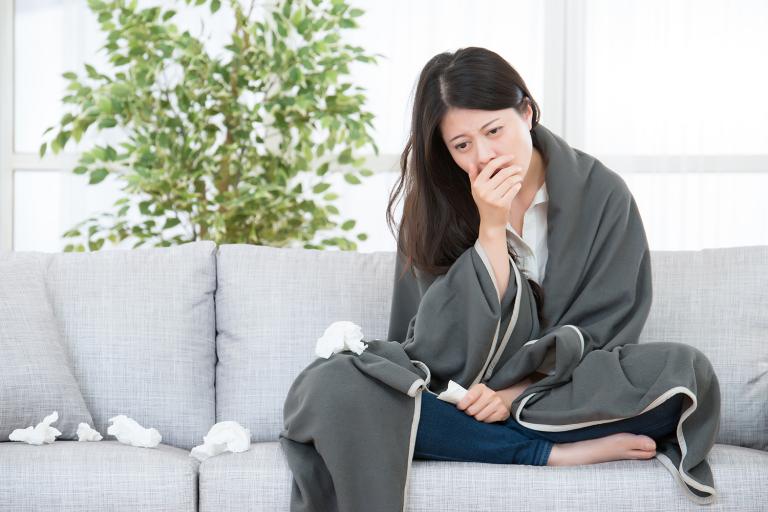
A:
(542, 196)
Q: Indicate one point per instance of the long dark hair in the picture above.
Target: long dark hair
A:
(440, 218)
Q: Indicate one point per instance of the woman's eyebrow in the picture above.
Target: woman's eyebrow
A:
(486, 124)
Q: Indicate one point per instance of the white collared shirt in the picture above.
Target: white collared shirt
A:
(532, 246)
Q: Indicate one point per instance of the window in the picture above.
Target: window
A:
(652, 88)
(673, 98)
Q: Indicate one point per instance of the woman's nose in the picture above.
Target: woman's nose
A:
(485, 153)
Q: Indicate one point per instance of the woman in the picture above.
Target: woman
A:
(485, 116)
(531, 359)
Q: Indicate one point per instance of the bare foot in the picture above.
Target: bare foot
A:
(603, 449)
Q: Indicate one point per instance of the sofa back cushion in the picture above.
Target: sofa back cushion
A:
(717, 301)
(36, 376)
(139, 328)
(271, 306)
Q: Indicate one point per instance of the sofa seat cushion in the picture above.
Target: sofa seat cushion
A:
(103, 475)
(260, 480)
(257, 480)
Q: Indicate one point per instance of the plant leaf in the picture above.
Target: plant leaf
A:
(98, 175)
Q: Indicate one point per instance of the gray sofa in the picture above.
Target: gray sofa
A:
(182, 337)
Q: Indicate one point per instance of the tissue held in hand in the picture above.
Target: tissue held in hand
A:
(128, 431)
(453, 393)
(225, 436)
(43, 432)
(339, 336)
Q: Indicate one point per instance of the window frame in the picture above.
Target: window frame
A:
(6, 125)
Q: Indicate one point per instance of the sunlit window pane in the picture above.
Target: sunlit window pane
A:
(678, 77)
(410, 33)
(48, 203)
(691, 211)
(37, 206)
(50, 37)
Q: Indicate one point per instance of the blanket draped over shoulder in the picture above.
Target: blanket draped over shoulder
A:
(350, 421)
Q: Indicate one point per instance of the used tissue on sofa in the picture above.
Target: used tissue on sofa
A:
(339, 336)
(453, 393)
(128, 431)
(43, 432)
(86, 433)
(224, 436)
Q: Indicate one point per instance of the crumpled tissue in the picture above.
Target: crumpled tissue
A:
(43, 432)
(128, 431)
(224, 436)
(339, 336)
(86, 433)
(453, 393)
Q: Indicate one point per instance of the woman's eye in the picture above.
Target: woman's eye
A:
(493, 132)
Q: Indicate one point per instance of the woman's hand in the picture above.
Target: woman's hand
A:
(510, 394)
(493, 191)
(484, 404)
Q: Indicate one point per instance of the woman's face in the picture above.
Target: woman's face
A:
(475, 137)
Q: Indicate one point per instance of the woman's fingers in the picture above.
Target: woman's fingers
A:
(488, 411)
(501, 191)
(513, 189)
(487, 397)
(494, 187)
(473, 394)
(494, 411)
(487, 171)
(484, 404)
(480, 403)
(507, 173)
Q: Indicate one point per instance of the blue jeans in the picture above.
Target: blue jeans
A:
(447, 433)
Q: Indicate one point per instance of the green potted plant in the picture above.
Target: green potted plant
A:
(216, 153)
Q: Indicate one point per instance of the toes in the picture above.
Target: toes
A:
(646, 443)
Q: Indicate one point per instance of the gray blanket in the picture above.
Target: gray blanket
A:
(350, 421)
